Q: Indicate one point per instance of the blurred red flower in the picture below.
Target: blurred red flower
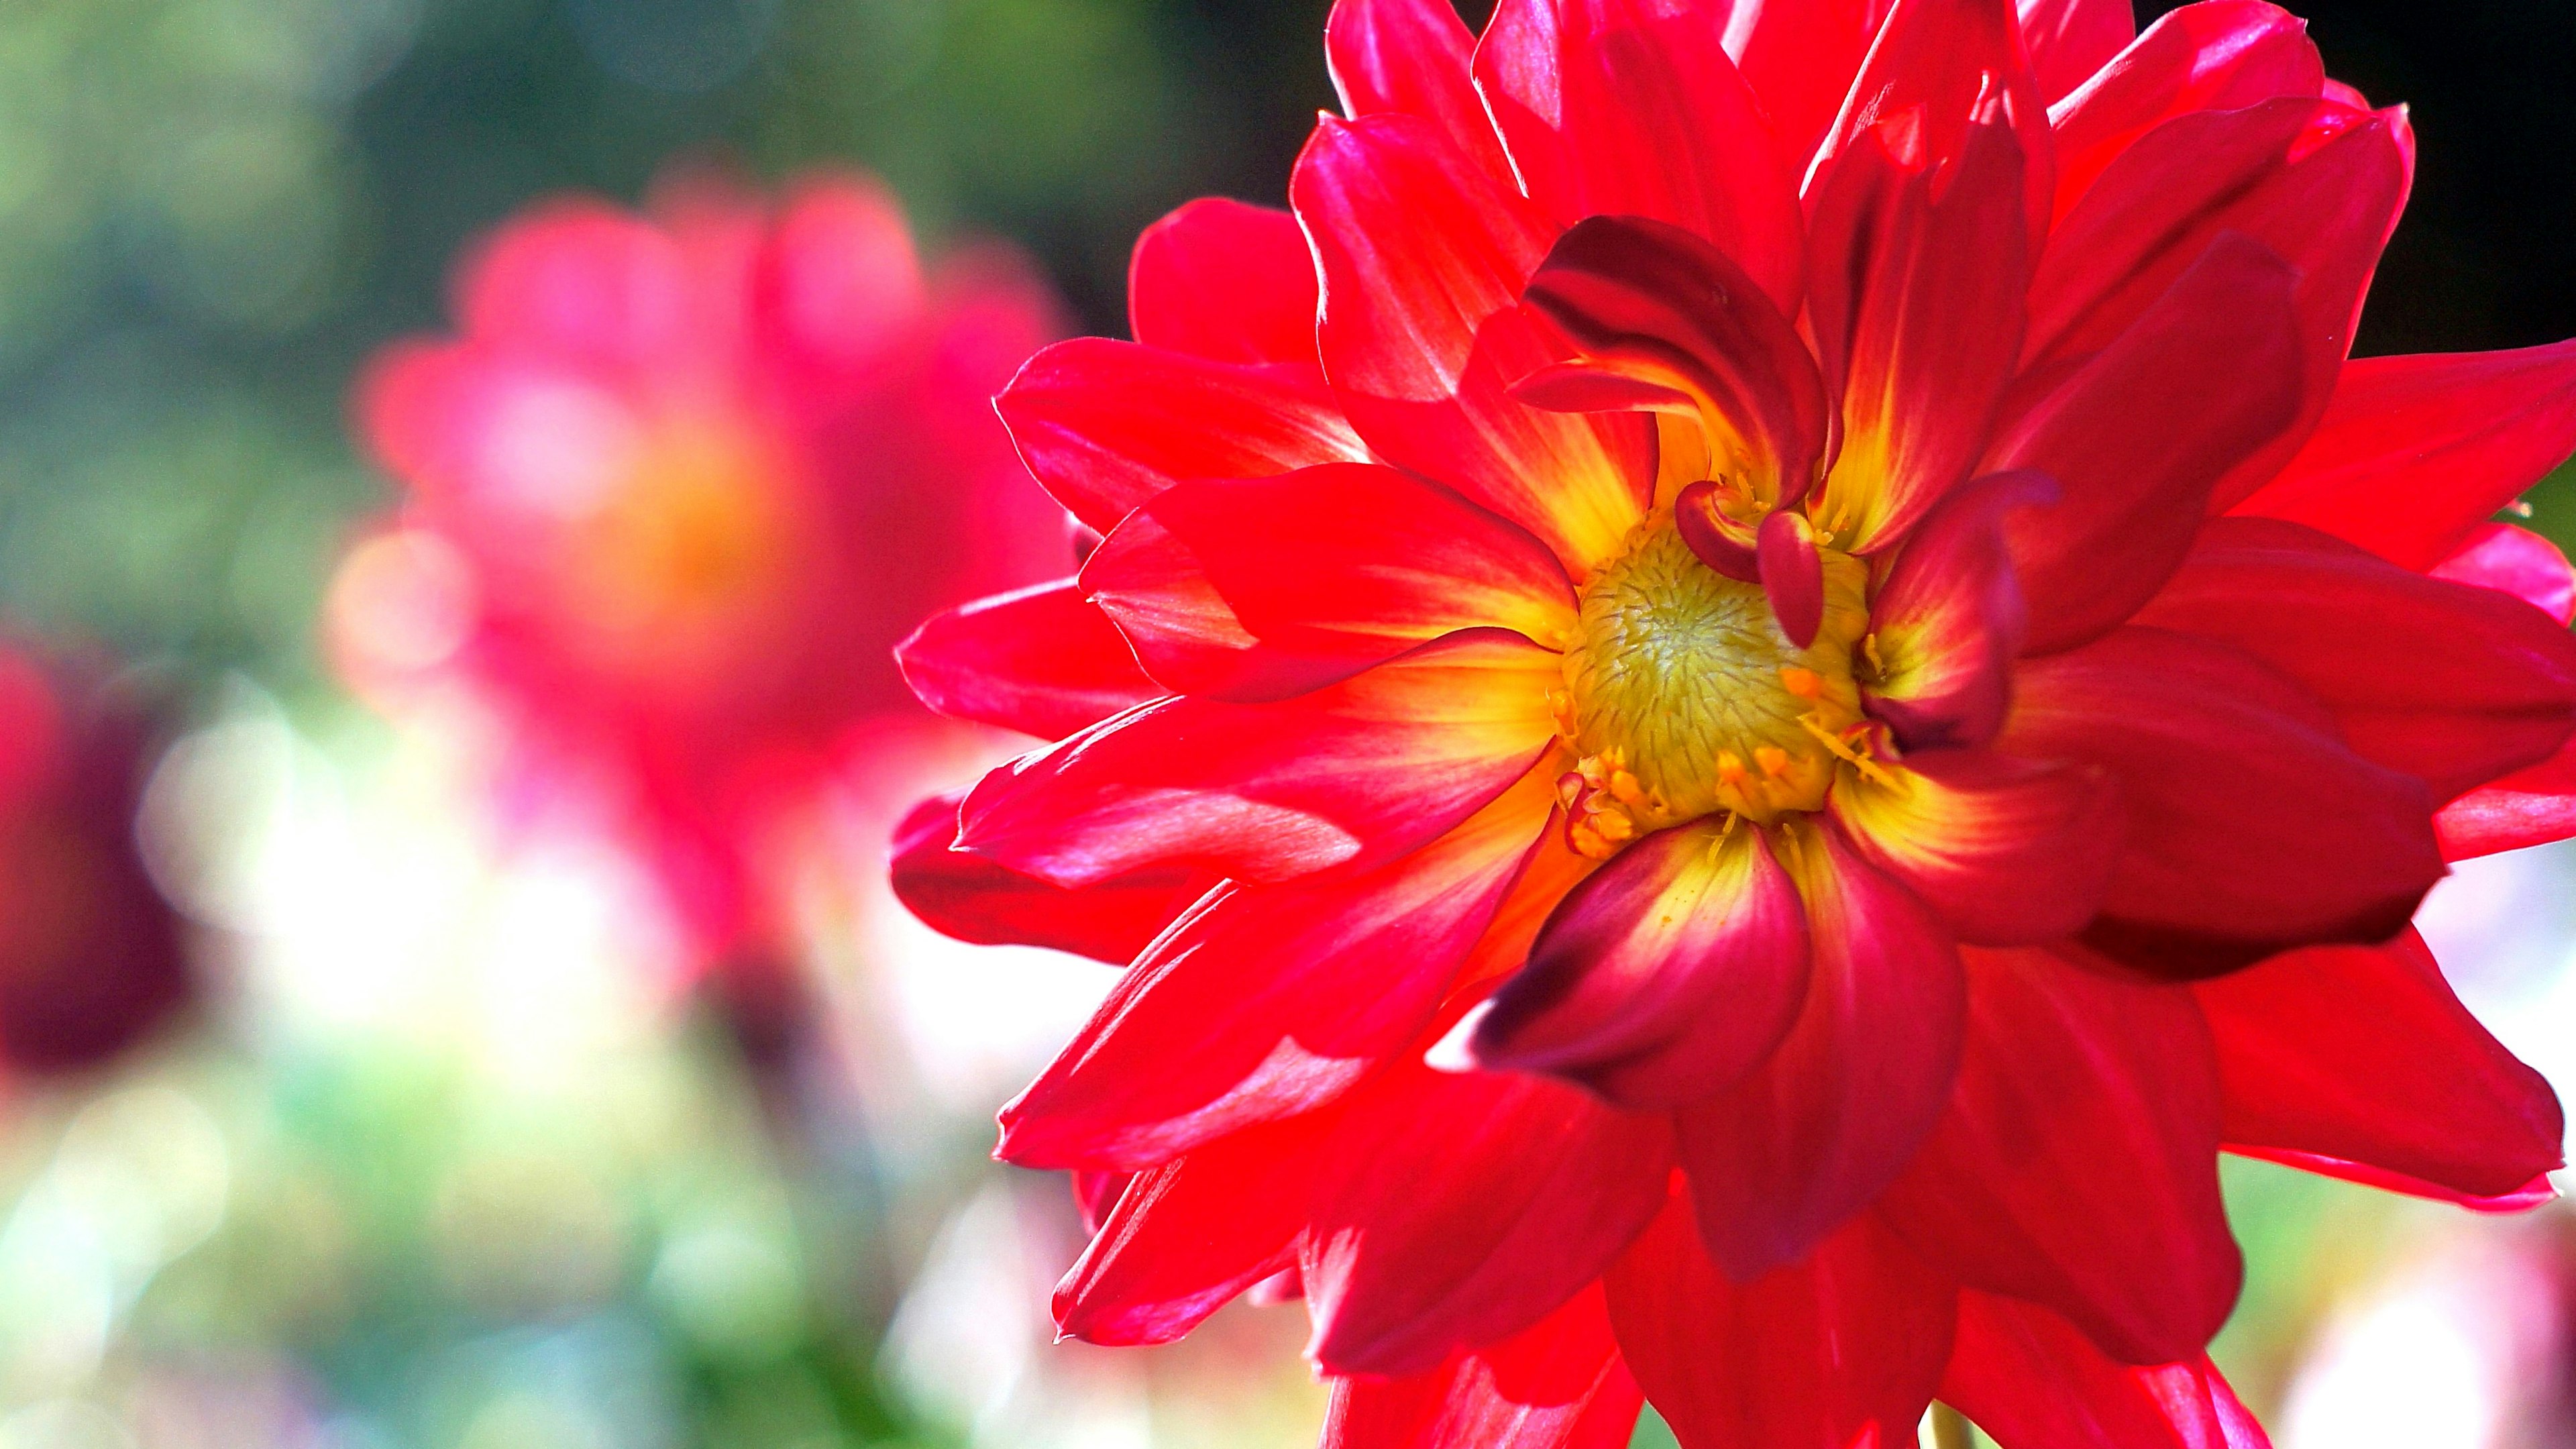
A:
(92, 959)
(1793, 595)
(671, 493)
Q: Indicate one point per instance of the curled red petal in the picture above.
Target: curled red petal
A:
(1350, 776)
(1841, 1349)
(2137, 436)
(2008, 852)
(1264, 588)
(1793, 574)
(1462, 1208)
(2414, 453)
(1948, 623)
(1106, 425)
(1664, 977)
(1633, 108)
(2453, 684)
(1713, 538)
(1424, 255)
(2077, 1165)
(971, 899)
(1812, 1137)
(1042, 661)
(1559, 1384)
(1226, 281)
(1264, 1002)
(2031, 1380)
(1708, 331)
(2364, 1055)
(2252, 828)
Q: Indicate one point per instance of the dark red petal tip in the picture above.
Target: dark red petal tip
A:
(1717, 539)
(1793, 575)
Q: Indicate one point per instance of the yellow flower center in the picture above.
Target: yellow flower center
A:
(1684, 698)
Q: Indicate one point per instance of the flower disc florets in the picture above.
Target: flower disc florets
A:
(1684, 697)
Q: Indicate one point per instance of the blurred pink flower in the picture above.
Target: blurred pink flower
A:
(671, 492)
(91, 957)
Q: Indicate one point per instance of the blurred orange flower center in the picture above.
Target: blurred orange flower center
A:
(692, 550)
(1684, 698)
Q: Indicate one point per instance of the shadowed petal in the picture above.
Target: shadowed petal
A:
(2071, 39)
(2362, 1054)
(2077, 1165)
(1664, 977)
(2031, 1380)
(2225, 55)
(1842, 1349)
(2487, 685)
(1949, 621)
(1557, 1385)
(1461, 1209)
(1815, 1134)
(1800, 56)
(2251, 827)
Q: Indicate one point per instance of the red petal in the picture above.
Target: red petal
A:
(1559, 1385)
(1350, 776)
(1800, 57)
(2069, 40)
(1187, 1237)
(1106, 425)
(2363, 1054)
(1957, 65)
(1265, 588)
(1948, 623)
(2032, 1381)
(1424, 255)
(2453, 684)
(2538, 1192)
(1269, 1001)
(2252, 828)
(972, 899)
(1095, 1194)
(2138, 435)
(1461, 1209)
(1042, 661)
(1812, 1137)
(585, 282)
(1657, 304)
(1225, 281)
(1410, 58)
(2529, 807)
(1917, 278)
(2225, 55)
(2078, 1164)
(2416, 452)
(2008, 852)
(1793, 574)
(2515, 561)
(1632, 108)
(1664, 977)
(2316, 183)
(1841, 1350)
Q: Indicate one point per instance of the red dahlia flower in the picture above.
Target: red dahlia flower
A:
(92, 959)
(672, 494)
(1789, 682)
